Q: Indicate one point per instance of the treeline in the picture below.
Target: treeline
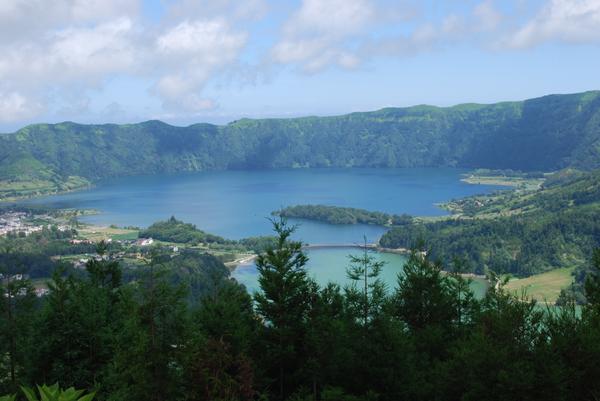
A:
(507, 173)
(543, 134)
(343, 215)
(39, 252)
(173, 230)
(562, 190)
(521, 233)
(577, 290)
(521, 245)
(429, 339)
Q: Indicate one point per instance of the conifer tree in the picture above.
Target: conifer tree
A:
(147, 362)
(283, 305)
(367, 292)
(17, 302)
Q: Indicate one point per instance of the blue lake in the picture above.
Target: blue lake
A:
(237, 204)
(330, 265)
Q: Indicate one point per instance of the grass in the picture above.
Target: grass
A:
(11, 190)
(96, 234)
(544, 287)
(518, 182)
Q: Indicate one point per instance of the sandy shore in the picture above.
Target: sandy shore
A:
(246, 260)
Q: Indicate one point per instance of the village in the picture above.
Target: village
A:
(14, 222)
(20, 224)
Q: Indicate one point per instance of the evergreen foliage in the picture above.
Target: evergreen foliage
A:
(521, 233)
(428, 339)
(543, 134)
(174, 230)
(343, 215)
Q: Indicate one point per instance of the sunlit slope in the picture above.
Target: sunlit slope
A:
(522, 232)
(547, 133)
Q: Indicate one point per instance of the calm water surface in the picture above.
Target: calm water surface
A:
(236, 204)
(329, 265)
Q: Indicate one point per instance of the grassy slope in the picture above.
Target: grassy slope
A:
(516, 182)
(96, 233)
(522, 232)
(561, 191)
(571, 191)
(541, 134)
(544, 287)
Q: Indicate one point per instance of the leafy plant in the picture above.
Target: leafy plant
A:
(8, 398)
(54, 393)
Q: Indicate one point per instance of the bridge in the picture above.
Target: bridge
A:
(353, 245)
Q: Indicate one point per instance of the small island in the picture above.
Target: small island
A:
(343, 215)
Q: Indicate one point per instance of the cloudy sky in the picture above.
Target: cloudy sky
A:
(185, 61)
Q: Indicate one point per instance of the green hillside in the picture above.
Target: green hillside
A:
(543, 134)
(518, 232)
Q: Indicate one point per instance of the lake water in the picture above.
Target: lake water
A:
(236, 204)
(329, 265)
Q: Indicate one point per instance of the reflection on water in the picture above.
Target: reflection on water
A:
(236, 204)
(329, 265)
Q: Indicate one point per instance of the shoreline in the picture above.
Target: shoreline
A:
(504, 181)
(246, 260)
(15, 199)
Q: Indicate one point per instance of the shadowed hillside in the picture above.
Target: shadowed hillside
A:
(544, 134)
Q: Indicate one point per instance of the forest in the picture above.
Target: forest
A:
(177, 231)
(174, 230)
(427, 338)
(543, 134)
(343, 215)
(521, 233)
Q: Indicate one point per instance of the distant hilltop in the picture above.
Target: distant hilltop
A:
(542, 134)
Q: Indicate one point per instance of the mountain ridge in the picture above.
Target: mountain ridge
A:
(387, 108)
(542, 134)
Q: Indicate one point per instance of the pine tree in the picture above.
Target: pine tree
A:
(218, 363)
(367, 292)
(423, 298)
(17, 303)
(147, 362)
(592, 282)
(283, 305)
(79, 323)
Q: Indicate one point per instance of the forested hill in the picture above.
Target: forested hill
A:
(517, 232)
(546, 133)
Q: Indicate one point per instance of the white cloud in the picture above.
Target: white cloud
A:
(210, 40)
(479, 27)
(27, 19)
(575, 21)
(339, 33)
(320, 33)
(94, 10)
(68, 47)
(14, 106)
(330, 18)
(235, 10)
(91, 53)
(488, 17)
(56, 55)
(72, 47)
(70, 57)
(192, 52)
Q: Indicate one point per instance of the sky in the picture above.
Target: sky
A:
(189, 61)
